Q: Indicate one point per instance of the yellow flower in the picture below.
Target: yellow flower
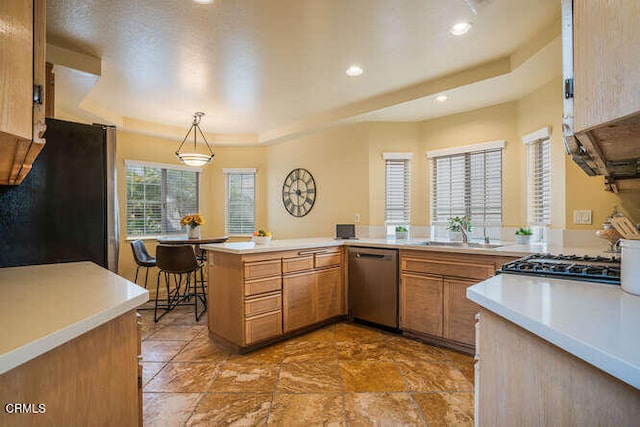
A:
(186, 220)
(198, 219)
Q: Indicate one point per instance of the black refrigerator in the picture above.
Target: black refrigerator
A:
(66, 208)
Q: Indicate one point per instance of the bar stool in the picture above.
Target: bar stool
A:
(143, 259)
(178, 262)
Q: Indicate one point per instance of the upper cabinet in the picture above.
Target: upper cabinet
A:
(22, 81)
(602, 88)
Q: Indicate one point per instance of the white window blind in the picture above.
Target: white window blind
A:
(240, 212)
(467, 184)
(539, 182)
(158, 197)
(398, 190)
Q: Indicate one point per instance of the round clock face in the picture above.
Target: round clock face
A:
(299, 192)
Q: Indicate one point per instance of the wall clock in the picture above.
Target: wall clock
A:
(299, 192)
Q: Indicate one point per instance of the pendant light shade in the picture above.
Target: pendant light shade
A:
(193, 158)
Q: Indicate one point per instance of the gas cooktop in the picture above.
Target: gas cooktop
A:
(587, 268)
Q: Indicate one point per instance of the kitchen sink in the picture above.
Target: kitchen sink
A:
(460, 244)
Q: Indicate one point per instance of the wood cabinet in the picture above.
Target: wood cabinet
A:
(312, 297)
(606, 60)
(522, 379)
(459, 312)
(433, 301)
(90, 380)
(256, 298)
(421, 304)
(22, 68)
(314, 293)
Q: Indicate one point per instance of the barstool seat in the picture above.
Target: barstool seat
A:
(179, 262)
(143, 259)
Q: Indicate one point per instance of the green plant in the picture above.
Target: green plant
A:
(401, 229)
(459, 224)
(524, 232)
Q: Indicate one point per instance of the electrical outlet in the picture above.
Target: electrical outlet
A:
(582, 217)
(356, 218)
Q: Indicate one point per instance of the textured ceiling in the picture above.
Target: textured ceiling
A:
(257, 65)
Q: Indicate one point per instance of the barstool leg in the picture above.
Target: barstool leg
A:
(136, 278)
(146, 277)
(155, 310)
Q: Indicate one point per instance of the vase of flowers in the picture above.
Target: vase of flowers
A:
(193, 223)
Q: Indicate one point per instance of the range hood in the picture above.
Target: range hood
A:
(611, 150)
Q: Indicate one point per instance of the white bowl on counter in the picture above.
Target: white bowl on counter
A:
(261, 240)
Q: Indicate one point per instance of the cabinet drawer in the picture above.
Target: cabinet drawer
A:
(328, 260)
(262, 286)
(259, 269)
(447, 268)
(289, 265)
(262, 327)
(261, 305)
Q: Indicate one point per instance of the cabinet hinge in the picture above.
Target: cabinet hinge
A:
(37, 94)
(568, 88)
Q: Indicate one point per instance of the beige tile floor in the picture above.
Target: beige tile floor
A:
(343, 374)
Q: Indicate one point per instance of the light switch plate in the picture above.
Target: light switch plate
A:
(356, 218)
(582, 217)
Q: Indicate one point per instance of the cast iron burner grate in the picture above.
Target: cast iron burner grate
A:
(587, 268)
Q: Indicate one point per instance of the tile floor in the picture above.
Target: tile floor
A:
(344, 374)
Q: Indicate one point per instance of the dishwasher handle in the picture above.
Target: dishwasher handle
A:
(372, 256)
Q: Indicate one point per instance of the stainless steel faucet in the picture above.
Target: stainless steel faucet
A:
(486, 238)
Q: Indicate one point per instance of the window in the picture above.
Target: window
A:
(467, 181)
(241, 201)
(158, 196)
(538, 181)
(398, 189)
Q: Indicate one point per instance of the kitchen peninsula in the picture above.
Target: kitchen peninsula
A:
(556, 351)
(259, 294)
(69, 342)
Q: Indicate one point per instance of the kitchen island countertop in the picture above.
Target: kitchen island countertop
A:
(45, 306)
(598, 323)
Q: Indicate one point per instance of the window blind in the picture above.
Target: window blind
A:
(240, 212)
(467, 184)
(158, 197)
(398, 191)
(539, 182)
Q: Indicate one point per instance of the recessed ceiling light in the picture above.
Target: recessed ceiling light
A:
(203, 1)
(460, 28)
(440, 99)
(354, 71)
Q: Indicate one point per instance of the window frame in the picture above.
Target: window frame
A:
(489, 229)
(533, 142)
(238, 171)
(163, 167)
(406, 159)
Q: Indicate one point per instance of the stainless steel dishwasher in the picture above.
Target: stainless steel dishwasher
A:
(373, 285)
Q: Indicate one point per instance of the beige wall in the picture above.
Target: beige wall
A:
(337, 159)
(543, 108)
(132, 146)
(487, 124)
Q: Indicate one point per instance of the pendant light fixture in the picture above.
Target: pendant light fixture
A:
(194, 158)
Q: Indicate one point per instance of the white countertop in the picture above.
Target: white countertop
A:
(45, 306)
(598, 323)
(509, 249)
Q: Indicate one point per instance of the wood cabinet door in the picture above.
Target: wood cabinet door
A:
(459, 312)
(606, 36)
(421, 304)
(298, 300)
(16, 68)
(329, 293)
